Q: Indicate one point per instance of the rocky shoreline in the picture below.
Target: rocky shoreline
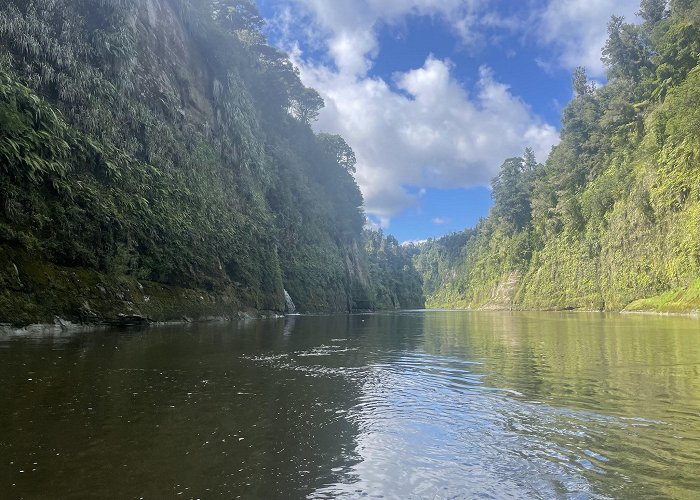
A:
(38, 296)
(61, 327)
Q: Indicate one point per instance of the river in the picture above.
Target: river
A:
(433, 404)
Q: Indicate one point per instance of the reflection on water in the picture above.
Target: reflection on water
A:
(405, 405)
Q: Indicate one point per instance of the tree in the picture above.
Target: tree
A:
(626, 52)
(305, 104)
(677, 53)
(682, 7)
(338, 149)
(653, 11)
(280, 86)
(580, 82)
(237, 15)
(511, 191)
(529, 160)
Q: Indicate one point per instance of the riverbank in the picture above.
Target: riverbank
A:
(684, 301)
(61, 327)
(46, 297)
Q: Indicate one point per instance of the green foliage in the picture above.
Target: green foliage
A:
(193, 167)
(33, 137)
(673, 301)
(580, 83)
(626, 52)
(613, 214)
(511, 191)
(438, 260)
(336, 146)
(653, 11)
(395, 283)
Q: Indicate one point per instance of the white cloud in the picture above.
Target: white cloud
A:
(350, 26)
(430, 134)
(372, 226)
(440, 221)
(423, 128)
(577, 29)
(416, 243)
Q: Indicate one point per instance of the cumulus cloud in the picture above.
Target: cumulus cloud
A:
(348, 28)
(440, 221)
(429, 133)
(421, 128)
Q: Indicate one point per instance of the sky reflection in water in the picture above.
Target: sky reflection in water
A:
(405, 405)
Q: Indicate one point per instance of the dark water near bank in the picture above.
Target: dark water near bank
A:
(407, 405)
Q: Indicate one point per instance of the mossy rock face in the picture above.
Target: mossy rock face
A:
(35, 291)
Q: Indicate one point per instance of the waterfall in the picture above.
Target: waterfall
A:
(291, 308)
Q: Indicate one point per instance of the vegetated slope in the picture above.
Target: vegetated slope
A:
(156, 160)
(395, 282)
(439, 262)
(613, 216)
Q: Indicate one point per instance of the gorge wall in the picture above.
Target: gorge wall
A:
(157, 161)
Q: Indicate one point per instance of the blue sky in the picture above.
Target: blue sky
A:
(433, 95)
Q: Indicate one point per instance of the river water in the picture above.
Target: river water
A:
(403, 405)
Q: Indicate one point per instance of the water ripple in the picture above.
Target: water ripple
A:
(417, 413)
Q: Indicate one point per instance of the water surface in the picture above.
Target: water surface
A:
(405, 405)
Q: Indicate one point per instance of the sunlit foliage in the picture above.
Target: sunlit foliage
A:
(614, 214)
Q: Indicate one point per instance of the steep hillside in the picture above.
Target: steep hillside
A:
(157, 162)
(395, 282)
(613, 216)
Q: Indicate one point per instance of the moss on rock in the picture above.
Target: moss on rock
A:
(36, 291)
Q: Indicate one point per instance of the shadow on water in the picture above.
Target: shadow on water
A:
(192, 409)
(405, 405)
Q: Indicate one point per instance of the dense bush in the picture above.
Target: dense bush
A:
(614, 214)
(166, 141)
